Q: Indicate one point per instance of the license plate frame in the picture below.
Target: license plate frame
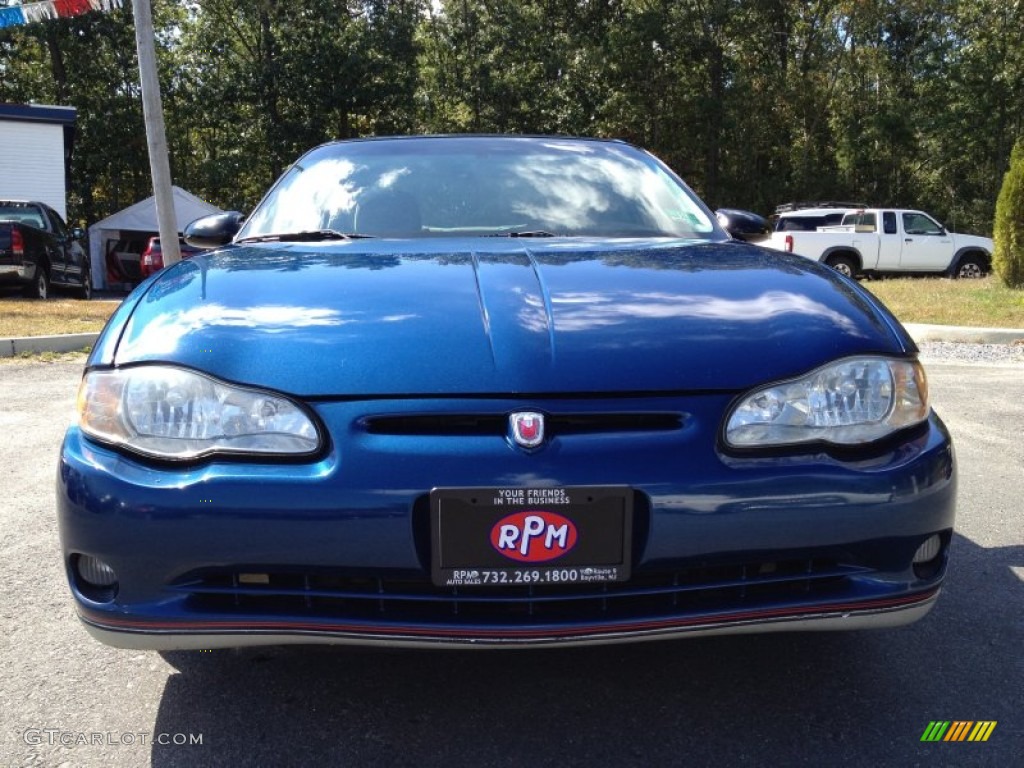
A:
(491, 538)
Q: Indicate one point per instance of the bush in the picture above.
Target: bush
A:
(1008, 258)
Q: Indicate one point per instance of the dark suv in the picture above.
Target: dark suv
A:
(152, 260)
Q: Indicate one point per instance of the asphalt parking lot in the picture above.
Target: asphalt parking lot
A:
(857, 699)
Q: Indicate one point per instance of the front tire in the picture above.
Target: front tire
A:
(844, 265)
(39, 288)
(971, 268)
(85, 292)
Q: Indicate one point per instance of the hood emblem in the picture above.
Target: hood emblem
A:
(526, 428)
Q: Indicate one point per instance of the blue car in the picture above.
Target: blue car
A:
(497, 391)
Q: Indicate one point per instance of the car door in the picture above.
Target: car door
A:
(865, 236)
(66, 255)
(890, 244)
(927, 247)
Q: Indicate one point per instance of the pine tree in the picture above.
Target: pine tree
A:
(1008, 259)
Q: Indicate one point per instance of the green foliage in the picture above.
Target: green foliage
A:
(913, 103)
(1008, 258)
(258, 82)
(87, 62)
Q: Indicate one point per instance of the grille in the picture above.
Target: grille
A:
(337, 596)
(497, 424)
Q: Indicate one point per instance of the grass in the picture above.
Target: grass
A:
(46, 357)
(31, 317)
(985, 303)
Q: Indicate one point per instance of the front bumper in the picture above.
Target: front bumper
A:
(197, 637)
(337, 551)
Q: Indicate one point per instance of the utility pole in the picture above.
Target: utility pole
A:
(156, 135)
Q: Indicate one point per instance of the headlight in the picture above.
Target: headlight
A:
(849, 402)
(173, 413)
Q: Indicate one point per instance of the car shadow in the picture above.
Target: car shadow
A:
(865, 697)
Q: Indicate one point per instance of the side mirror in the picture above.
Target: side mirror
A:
(742, 225)
(215, 230)
(77, 233)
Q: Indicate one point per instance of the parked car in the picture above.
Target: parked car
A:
(124, 259)
(873, 241)
(38, 250)
(152, 259)
(497, 391)
(743, 225)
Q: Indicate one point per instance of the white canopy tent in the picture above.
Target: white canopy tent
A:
(141, 220)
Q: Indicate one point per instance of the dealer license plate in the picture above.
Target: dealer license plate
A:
(493, 537)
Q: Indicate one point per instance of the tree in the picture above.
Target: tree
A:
(252, 84)
(910, 104)
(1008, 259)
(89, 62)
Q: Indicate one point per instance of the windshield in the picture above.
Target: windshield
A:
(480, 186)
(22, 213)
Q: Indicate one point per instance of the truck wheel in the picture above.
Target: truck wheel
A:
(844, 265)
(39, 288)
(971, 267)
(85, 291)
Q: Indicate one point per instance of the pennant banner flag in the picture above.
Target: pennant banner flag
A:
(52, 9)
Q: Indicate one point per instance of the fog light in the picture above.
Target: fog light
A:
(928, 551)
(96, 572)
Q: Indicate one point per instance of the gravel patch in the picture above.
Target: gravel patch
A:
(954, 352)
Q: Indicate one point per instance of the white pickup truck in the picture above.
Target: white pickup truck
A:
(876, 240)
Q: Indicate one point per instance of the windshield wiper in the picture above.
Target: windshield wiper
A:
(305, 236)
(524, 233)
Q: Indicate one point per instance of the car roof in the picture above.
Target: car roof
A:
(472, 137)
(817, 212)
(476, 136)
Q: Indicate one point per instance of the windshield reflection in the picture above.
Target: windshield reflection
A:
(471, 186)
(584, 311)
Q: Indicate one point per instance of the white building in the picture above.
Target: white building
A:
(36, 142)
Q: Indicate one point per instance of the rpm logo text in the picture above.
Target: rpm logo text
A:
(534, 536)
(958, 730)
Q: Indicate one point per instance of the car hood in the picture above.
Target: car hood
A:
(964, 241)
(416, 317)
